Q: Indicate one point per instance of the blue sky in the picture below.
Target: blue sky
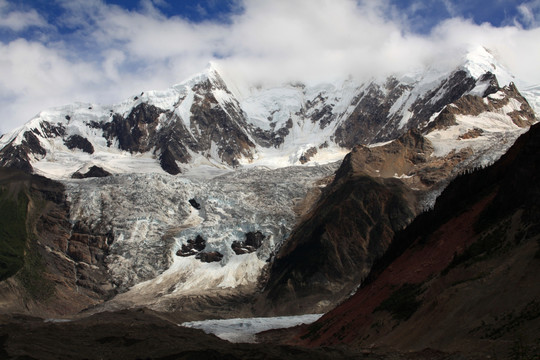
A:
(54, 52)
(423, 15)
(427, 14)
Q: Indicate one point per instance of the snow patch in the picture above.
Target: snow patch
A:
(478, 61)
(499, 133)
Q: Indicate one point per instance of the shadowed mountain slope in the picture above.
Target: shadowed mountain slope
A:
(334, 246)
(461, 277)
(48, 265)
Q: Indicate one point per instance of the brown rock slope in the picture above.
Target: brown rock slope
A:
(376, 192)
(475, 105)
(462, 277)
(48, 267)
(334, 246)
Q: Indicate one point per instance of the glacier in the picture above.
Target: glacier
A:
(151, 217)
(244, 330)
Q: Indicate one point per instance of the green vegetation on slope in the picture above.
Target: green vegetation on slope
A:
(13, 234)
(32, 276)
(18, 250)
(403, 302)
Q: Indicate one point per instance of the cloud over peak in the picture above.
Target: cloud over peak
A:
(100, 52)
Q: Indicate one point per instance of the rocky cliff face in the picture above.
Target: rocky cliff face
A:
(331, 251)
(494, 102)
(382, 114)
(376, 192)
(202, 118)
(61, 268)
(454, 279)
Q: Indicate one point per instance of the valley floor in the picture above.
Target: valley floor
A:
(143, 334)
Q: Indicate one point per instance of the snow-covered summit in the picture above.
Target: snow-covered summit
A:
(211, 119)
(480, 60)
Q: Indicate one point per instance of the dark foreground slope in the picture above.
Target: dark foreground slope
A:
(462, 277)
(142, 334)
(128, 335)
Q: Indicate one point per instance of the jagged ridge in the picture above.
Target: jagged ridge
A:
(202, 121)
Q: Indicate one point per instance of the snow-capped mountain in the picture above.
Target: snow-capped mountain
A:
(207, 180)
(204, 120)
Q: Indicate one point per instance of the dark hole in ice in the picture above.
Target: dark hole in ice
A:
(195, 204)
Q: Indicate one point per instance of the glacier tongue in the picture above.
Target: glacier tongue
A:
(150, 217)
(242, 330)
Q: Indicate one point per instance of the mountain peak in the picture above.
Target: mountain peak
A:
(213, 67)
(193, 121)
(480, 60)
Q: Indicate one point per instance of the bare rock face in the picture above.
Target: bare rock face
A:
(254, 240)
(64, 270)
(94, 171)
(135, 133)
(308, 155)
(89, 248)
(396, 158)
(79, 142)
(410, 158)
(223, 125)
(213, 127)
(209, 257)
(376, 192)
(475, 105)
(195, 204)
(371, 113)
(168, 162)
(18, 156)
(334, 246)
(450, 90)
(471, 134)
(211, 122)
(375, 120)
(193, 247)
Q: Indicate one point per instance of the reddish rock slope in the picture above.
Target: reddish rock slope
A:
(462, 277)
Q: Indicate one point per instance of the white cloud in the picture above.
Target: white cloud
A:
(451, 8)
(19, 20)
(114, 53)
(34, 77)
(530, 13)
(517, 48)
